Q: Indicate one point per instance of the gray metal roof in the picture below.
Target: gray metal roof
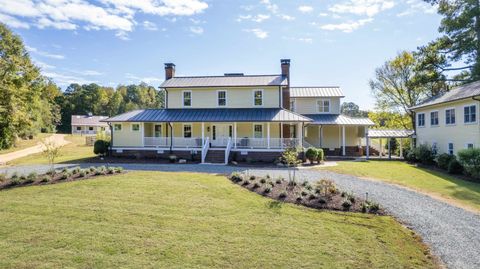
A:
(86, 120)
(316, 92)
(225, 81)
(210, 115)
(335, 119)
(379, 133)
(462, 92)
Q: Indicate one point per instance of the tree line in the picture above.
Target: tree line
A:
(32, 103)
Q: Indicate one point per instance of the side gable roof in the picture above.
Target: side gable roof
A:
(299, 92)
(462, 92)
(88, 120)
(225, 81)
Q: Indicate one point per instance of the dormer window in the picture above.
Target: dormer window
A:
(187, 98)
(258, 97)
(222, 98)
(323, 106)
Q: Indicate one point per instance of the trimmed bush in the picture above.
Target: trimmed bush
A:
(346, 205)
(320, 155)
(267, 190)
(282, 195)
(424, 154)
(82, 173)
(409, 156)
(454, 167)
(278, 181)
(256, 185)
(45, 179)
(263, 181)
(311, 154)
(236, 177)
(101, 147)
(470, 160)
(119, 169)
(110, 170)
(444, 159)
(304, 193)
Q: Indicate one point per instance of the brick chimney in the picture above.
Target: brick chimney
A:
(169, 71)
(285, 65)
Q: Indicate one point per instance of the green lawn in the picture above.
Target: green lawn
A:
(23, 144)
(76, 151)
(442, 185)
(186, 220)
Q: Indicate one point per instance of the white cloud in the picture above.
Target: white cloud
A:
(196, 30)
(92, 73)
(305, 9)
(307, 40)
(415, 6)
(254, 18)
(42, 65)
(64, 80)
(362, 7)
(258, 32)
(148, 25)
(123, 35)
(117, 15)
(148, 80)
(346, 27)
(44, 53)
(286, 17)
(269, 6)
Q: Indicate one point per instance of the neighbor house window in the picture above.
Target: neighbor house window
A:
(221, 98)
(434, 118)
(323, 106)
(258, 131)
(258, 98)
(117, 127)
(135, 127)
(450, 148)
(421, 120)
(470, 114)
(187, 131)
(90, 128)
(187, 98)
(450, 116)
(79, 128)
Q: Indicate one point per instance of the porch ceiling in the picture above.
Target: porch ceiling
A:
(210, 115)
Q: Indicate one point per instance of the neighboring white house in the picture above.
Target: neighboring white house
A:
(449, 122)
(88, 124)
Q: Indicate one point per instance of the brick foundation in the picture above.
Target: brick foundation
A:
(153, 154)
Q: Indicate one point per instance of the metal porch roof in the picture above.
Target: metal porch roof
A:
(210, 115)
(379, 133)
(335, 119)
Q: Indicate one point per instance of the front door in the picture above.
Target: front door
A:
(157, 129)
(220, 134)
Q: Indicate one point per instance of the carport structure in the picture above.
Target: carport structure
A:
(388, 134)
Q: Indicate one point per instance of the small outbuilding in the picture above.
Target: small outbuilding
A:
(388, 134)
(88, 124)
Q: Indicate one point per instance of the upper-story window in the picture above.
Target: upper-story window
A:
(450, 116)
(323, 106)
(258, 97)
(434, 118)
(222, 98)
(421, 120)
(187, 98)
(470, 114)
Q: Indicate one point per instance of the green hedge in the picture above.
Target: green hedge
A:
(470, 160)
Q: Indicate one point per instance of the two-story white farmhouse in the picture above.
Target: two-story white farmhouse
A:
(237, 116)
(449, 122)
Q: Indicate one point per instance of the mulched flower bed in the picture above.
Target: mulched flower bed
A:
(320, 195)
(64, 175)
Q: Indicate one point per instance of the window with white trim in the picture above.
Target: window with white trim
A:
(135, 127)
(222, 98)
(469, 146)
(434, 118)
(450, 148)
(187, 98)
(258, 131)
(450, 116)
(117, 127)
(258, 98)
(470, 114)
(421, 119)
(187, 131)
(323, 106)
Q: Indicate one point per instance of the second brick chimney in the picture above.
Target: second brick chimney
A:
(169, 71)
(285, 65)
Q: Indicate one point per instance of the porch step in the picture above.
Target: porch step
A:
(215, 156)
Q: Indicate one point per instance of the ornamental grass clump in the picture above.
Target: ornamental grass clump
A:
(31, 178)
(346, 205)
(119, 169)
(110, 170)
(263, 180)
(82, 173)
(236, 177)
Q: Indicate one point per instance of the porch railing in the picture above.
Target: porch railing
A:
(227, 149)
(241, 143)
(177, 142)
(263, 143)
(205, 148)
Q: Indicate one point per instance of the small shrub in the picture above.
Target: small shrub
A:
(92, 169)
(311, 154)
(350, 197)
(304, 193)
(299, 198)
(263, 181)
(119, 169)
(3, 178)
(325, 187)
(292, 183)
(346, 205)
(101, 147)
(267, 176)
(270, 183)
(252, 177)
(267, 190)
(282, 195)
(32, 176)
(64, 170)
(15, 181)
(76, 170)
(373, 207)
(305, 183)
(343, 194)
(45, 179)
(64, 176)
(312, 196)
(256, 185)
(102, 168)
(236, 177)
(424, 154)
(14, 175)
(455, 167)
(364, 207)
(23, 178)
(82, 173)
(110, 170)
(443, 160)
(245, 183)
(409, 156)
(320, 155)
(98, 172)
(278, 181)
(309, 187)
(322, 201)
(470, 160)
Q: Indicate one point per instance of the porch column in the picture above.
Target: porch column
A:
(299, 134)
(234, 135)
(142, 128)
(343, 141)
(381, 148)
(268, 134)
(389, 148)
(281, 135)
(401, 147)
(367, 149)
(203, 134)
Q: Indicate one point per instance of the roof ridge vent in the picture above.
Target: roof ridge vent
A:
(234, 74)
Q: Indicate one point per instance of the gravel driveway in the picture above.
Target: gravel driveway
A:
(452, 233)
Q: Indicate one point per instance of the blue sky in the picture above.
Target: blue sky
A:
(113, 42)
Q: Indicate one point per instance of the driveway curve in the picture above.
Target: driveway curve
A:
(451, 232)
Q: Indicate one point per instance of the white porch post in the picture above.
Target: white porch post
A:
(268, 135)
(343, 140)
(142, 128)
(367, 149)
(234, 135)
(299, 134)
(281, 135)
(381, 148)
(389, 148)
(203, 134)
(401, 147)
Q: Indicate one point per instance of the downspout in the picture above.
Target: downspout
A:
(171, 137)
(166, 98)
(111, 138)
(321, 137)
